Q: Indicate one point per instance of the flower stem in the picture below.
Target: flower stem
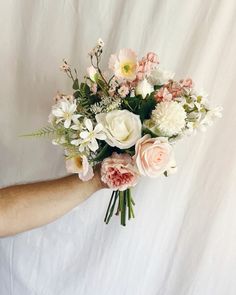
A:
(113, 206)
(108, 208)
(125, 203)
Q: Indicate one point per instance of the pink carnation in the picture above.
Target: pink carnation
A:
(119, 172)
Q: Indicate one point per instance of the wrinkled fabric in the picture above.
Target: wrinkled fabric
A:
(183, 239)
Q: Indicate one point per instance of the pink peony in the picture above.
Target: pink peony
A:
(153, 156)
(119, 172)
(81, 166)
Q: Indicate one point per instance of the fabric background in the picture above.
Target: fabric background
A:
(183, 240)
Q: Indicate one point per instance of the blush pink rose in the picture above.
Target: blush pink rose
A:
(119, 172)
(153, 156)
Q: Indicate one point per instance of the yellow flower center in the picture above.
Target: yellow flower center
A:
(79, 162)
(128, 68)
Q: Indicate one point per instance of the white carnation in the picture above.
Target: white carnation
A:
(169, 118)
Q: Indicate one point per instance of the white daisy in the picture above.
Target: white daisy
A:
(88, 137)
(64, 111)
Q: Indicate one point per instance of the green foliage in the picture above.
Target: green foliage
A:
(76, 84)
(140, 106)
(104, 153)
(45, 131)
(84, 97)
(156, 87)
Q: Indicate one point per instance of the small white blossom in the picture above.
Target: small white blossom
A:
(64, 111)
(144, 88)
(93, 73)
(65, 67)
(96, 108)
(210, 117)
(100, 42)
(123, 91)
(88, 137)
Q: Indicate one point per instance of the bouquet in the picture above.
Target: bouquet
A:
(126, 119)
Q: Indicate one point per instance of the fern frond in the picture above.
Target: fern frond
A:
(45, 131)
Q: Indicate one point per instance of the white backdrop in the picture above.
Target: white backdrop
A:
(183, 240)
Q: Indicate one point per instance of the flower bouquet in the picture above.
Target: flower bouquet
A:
(127, 120)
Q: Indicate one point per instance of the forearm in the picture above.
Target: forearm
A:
(24, 207)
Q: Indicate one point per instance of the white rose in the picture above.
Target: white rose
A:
(122, 128)
(160, 76)
(143, 88)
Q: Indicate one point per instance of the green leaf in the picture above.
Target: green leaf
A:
(76, 84)
(84, 89)
(45, 131)
(105, 152)
(146, 107)
(156, 87)
(76, 94)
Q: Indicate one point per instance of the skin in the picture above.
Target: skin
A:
(24, 207)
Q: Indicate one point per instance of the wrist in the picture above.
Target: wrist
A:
(96, 181)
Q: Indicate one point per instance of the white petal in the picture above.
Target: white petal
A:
(64, 106)
(93, 145)
(75, 142)
(98, 128)
(67, 123)
(75, 127)
(57, 112)
(88, 124)
(72, 108)
(101, 136)
(84, 134)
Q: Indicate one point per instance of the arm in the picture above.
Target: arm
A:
(24, 207)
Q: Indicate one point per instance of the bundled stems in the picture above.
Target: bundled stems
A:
(125, 204)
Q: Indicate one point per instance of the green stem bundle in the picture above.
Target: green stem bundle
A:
(125, 204)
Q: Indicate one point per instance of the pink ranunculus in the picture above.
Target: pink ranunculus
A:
(119, 172)
(81, 166)
(153, 156)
